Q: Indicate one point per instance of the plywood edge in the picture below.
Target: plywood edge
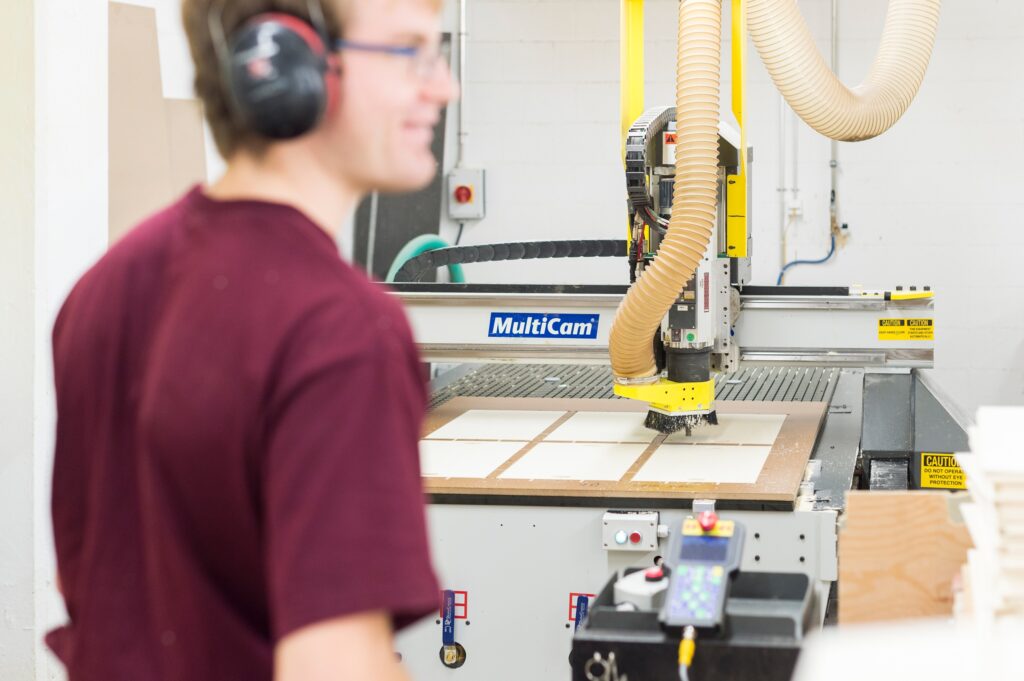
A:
(899, 553)
(538, 488)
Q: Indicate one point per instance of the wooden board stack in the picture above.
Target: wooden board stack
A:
(993, 577)
(899, 554)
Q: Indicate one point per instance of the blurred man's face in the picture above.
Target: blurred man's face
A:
(379, 135)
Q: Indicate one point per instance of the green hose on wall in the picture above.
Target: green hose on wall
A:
(418, 246)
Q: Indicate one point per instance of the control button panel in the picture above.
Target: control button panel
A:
(629, 531)
(702, 556)
(699, 592)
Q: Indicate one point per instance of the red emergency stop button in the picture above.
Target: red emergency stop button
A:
(635, 538)
(654, 574)
(707, 520)
(463, 194)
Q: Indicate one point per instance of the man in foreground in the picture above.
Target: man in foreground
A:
(236, 490)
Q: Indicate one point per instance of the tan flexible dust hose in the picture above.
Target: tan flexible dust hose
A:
(817, 95)
(694, 198)
(812, 90)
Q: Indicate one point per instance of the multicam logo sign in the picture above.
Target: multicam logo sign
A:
(538, 325)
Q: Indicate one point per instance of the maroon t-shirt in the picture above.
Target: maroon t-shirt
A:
(238, 417)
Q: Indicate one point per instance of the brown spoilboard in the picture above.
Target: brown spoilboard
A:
(778, 482)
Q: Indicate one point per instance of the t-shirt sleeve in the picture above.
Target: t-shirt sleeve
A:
(343, 498)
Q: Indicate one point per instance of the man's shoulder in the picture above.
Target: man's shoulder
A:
(124, 279)
(140, 252)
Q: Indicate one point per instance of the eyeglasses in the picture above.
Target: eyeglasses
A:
(422, 60)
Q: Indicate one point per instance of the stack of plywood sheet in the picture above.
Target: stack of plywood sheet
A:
(994, 575)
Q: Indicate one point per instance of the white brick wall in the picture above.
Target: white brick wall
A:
(539, 72)
(937, 200)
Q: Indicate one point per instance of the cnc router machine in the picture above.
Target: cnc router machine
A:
(543, 482)
(766, 403)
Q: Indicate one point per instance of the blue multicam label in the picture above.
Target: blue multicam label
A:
(540, 325)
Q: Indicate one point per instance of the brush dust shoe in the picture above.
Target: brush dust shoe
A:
(673, 423)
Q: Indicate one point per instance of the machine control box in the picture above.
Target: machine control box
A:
(466, 194)
(701, 560)
(629, 531)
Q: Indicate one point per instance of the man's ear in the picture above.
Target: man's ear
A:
(333, 77)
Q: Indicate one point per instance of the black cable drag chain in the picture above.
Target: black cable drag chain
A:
(416, 267)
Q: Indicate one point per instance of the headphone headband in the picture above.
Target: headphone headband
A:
(215, 23)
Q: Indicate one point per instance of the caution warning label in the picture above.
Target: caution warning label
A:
(941, 471)
(906, 329)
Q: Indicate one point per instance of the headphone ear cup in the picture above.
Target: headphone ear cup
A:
(277, 77)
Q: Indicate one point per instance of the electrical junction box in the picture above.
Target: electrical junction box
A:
(466, 194)
(629, 530)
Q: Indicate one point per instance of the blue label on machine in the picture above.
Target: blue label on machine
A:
(448, 618)
(539, 325)
(582, 606)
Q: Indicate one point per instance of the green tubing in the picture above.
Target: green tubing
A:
(418, 246)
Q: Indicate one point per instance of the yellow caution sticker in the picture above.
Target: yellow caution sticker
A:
(724, 528)
(941, 471)
(906, 329)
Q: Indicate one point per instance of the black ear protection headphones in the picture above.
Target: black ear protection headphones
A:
(276, 70)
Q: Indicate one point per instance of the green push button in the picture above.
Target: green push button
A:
(690, 337)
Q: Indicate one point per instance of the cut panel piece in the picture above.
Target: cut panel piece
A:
(723, 464)
(464, 459)
(735, 429)
(603, 426)
(486, 424)
(575, 461)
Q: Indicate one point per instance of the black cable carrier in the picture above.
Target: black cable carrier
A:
(414, 268)
(639, 141)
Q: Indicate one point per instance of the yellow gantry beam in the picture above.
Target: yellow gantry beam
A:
(631, 77)
(736, 189)
(631, 64)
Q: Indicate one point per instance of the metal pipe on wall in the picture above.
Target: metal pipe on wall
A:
(463, 135)
(833, 163)
(781, 188)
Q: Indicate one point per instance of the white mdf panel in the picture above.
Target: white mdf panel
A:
(734, 429)
(723, 464)
(603, 426)
(574, 461)
(445, 459)
(486, 424)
